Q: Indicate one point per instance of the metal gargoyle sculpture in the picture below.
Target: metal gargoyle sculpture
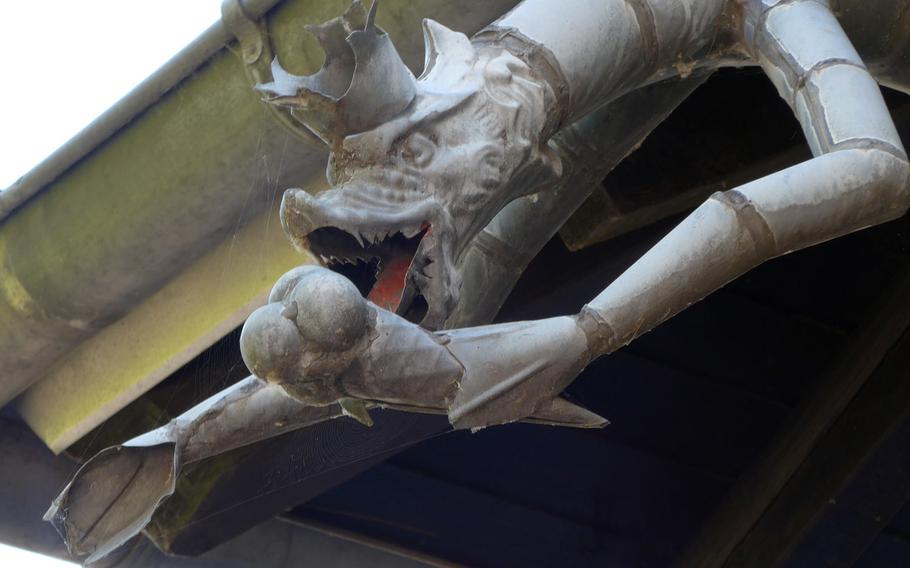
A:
(429, 173)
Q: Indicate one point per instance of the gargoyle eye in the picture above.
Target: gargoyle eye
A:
(418, 150)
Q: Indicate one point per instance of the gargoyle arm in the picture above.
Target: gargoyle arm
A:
(589, 149)
(858, 178)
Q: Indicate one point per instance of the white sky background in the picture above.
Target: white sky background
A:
(17, 558)
(65, 62)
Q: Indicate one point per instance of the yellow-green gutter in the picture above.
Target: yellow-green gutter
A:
(113, 248)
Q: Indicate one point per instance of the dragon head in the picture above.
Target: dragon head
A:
(418, 165)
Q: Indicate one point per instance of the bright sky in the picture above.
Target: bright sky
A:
(18, 558)
(66, 62)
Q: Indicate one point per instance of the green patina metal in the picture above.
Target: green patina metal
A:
(89, 246)
(178, 179)
(193, 488)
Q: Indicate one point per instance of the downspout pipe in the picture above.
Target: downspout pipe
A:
(158, 181)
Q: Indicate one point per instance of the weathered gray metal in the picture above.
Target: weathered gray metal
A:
(356, 357)
(163, 177)
(384, 185)
(470, 135)
(518, 232)
(29, 472)
(860, 179)
(404, 172)
(125, 484)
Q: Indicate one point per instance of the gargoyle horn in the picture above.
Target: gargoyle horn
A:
(362, 83)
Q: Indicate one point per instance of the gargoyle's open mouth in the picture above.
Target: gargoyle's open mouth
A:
(398, 245)
(377, 264)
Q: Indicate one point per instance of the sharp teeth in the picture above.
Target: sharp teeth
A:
(359, 238)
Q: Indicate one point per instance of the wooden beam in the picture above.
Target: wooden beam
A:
(754, 493)
(600, 219)
(30, 475)
(854, 482)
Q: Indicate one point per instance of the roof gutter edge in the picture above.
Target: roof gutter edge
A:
(140, 98)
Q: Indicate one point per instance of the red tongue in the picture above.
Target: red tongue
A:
(386, 293)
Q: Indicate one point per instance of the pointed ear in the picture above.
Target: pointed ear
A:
(441, 42)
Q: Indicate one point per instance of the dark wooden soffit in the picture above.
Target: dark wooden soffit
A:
(776, 503)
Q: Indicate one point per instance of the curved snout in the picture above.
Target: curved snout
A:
(359, 208)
